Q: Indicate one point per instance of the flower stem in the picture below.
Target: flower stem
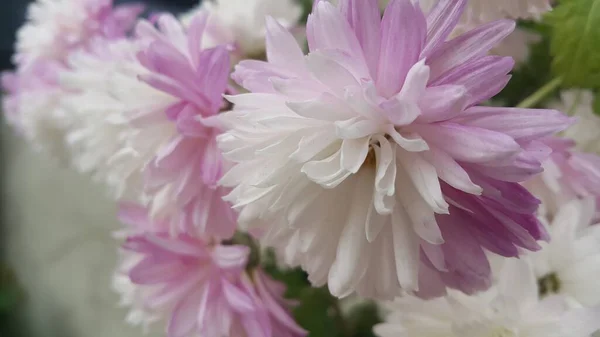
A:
(535, 98)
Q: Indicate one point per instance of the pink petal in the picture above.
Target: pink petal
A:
(442, 103)
(332, 31)
(483, 78)
(441, 20)
(282, 48)
(185, 316)
(403, 34)
(468, 46)
(522, 124)
(469, 144)
(365, 19)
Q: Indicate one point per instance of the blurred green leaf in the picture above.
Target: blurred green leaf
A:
(317, 311)
(10, 293)
(575, 45)
(597, 103)
(362, 318)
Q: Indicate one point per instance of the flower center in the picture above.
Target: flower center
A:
(549, 284)
(370, 160)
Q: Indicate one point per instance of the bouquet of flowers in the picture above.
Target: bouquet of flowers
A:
(339, 168)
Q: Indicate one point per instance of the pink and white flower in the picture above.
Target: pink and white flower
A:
(568, 174)
(147, 126)
(369, 162)
(200, 285)
(55, 29)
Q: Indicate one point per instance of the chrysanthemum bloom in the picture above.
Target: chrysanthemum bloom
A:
(368, 161)
(568, 174)
(153, 114)
(509, 309)
(55, 28)
(241, 23)
(585, 131)
(568, 264)
(202, 286)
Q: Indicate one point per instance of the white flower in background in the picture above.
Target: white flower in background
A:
(242, 22)
(510, 309)
(570, 263)
(479, 11)
(517, 44)
(579, 103)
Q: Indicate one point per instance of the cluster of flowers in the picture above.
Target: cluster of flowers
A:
(368, 160)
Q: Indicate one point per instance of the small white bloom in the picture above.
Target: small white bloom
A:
(579, 103)
(510, 309)
(242, 22)
(570, 263)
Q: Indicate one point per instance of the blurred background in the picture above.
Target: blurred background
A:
(56, 251)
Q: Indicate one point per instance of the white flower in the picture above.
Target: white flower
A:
(510, 309)
(585, 132)
(242, 22)
(109, 94)
(479, 11)
(570, 263)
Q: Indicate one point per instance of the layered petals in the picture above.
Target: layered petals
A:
(362, 149)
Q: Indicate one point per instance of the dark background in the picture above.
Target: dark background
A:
(13, 297)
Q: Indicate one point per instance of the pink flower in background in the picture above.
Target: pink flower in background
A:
(369, 162)
(568, 174)
(181, 181)
(146, 125)
(201, 285)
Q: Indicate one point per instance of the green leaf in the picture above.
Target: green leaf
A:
(575, 44)
(362, 319)
(597, 103)
(10, 293)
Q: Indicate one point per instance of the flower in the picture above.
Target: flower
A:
(201, 285)
(54, 30)
(569, 263)
(568, 174)
(164, 132)
(241, 23)
(480, 11)
(585, 131)
(510, 308)
(57, 27)
(368, 161)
